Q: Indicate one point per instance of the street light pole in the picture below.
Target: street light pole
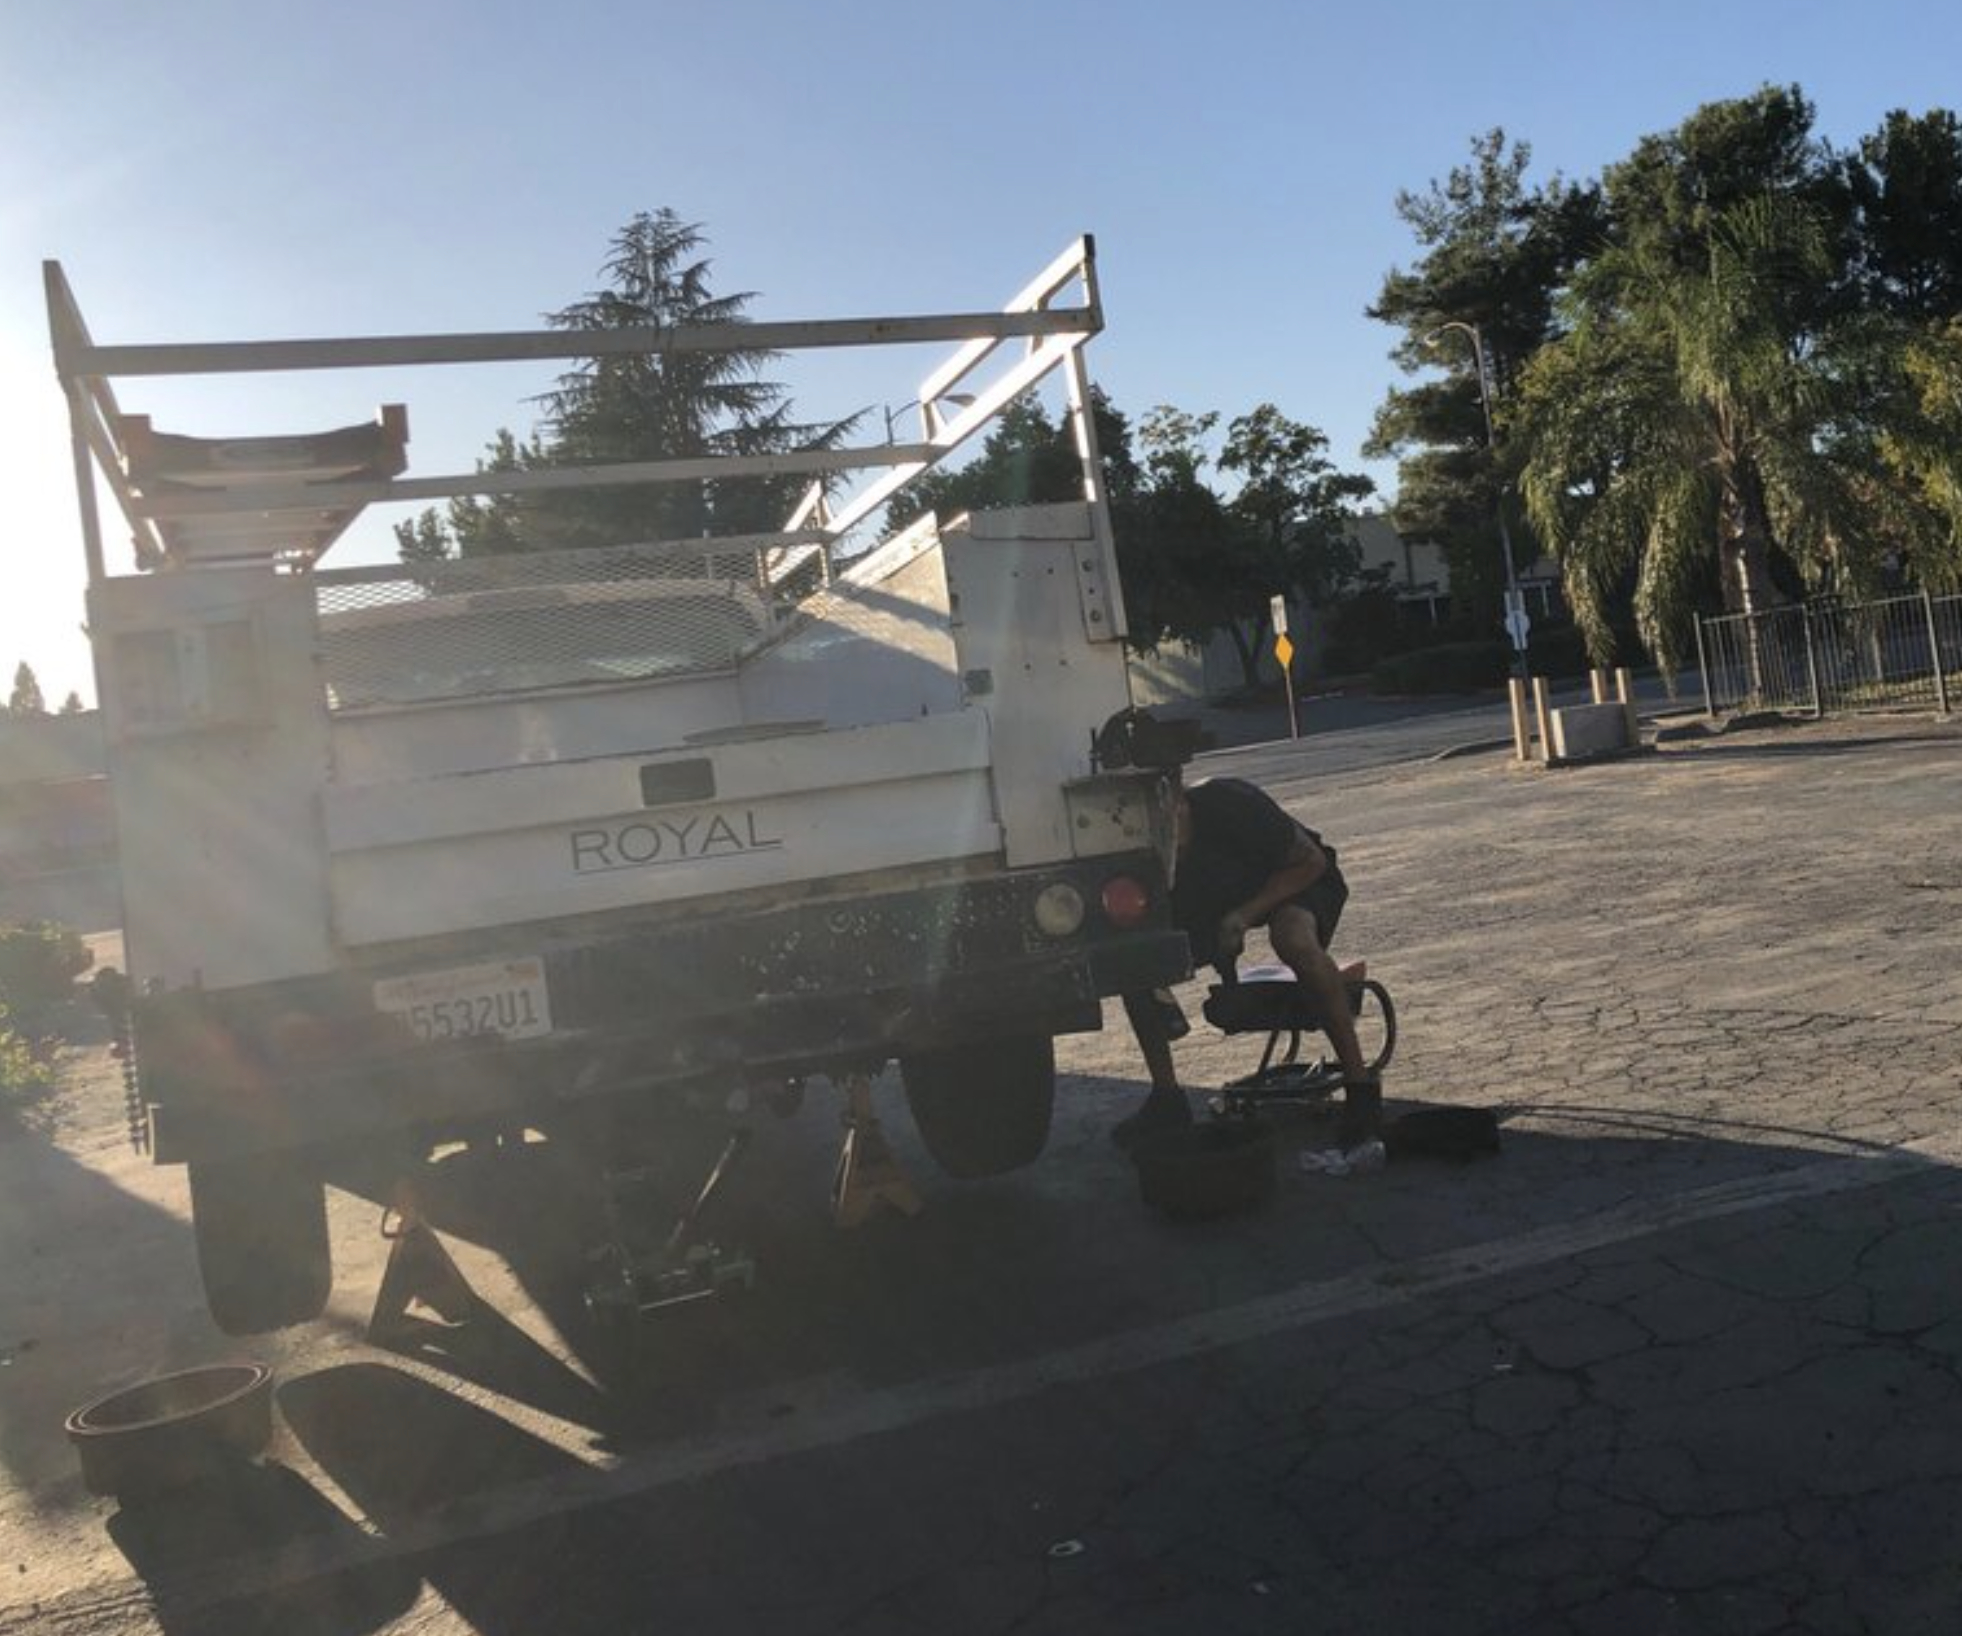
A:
(1515, 602)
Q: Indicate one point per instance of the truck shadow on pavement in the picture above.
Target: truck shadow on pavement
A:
(537, 1214)
(487, 1349)
(994, 1273)
(183, 1545)
(415, 1458)
(66, 1228)
(825, 1299)
(1690, 1345)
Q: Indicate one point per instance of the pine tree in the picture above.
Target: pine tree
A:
(26, 699)
(638, 407)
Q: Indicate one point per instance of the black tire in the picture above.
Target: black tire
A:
(1383, 1027)
(1376, 1030)
(263, 1252)
(983, 1110)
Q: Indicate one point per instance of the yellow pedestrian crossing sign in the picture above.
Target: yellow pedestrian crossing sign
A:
(1277, 611)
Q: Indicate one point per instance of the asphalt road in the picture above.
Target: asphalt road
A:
(1683, 1357)
(1341, 732)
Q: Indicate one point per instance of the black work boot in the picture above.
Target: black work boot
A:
(1162, 1110)
(1362, 1111)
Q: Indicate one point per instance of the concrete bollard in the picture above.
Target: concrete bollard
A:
(1522, 733)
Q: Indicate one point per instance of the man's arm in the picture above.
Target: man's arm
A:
(1304, 864)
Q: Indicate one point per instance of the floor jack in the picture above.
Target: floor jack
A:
(868, 1177)
(633, 1276)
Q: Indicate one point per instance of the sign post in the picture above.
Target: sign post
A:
(1284, 656)
(1518, 621)
(1519, 625)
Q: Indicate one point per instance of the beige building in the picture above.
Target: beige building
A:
(1412, 568)
(1421, 578)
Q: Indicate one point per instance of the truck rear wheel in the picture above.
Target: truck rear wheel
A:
(983, 1110)
(263, 1251)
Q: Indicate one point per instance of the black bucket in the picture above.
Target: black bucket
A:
(1210, 1170)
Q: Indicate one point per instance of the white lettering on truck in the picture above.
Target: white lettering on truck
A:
(646, 843)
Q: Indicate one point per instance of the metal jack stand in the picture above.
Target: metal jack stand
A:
(419, 1272)
(868, 1176)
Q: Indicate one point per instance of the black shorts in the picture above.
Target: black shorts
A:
(1324, 900)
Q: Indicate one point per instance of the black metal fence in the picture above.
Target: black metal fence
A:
(1902, 652)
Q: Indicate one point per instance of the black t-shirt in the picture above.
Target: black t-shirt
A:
(1240, 836)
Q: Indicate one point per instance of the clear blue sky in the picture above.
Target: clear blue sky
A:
(222, 170)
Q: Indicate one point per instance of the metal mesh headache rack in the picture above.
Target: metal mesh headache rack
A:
(407, 635)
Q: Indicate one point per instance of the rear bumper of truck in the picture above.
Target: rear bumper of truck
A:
(844, 983)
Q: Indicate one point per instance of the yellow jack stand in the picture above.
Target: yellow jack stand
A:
(419, 1272)
(868, 1176)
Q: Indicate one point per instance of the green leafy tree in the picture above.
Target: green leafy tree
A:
(1027, 458)
(1675, 187)
(1905, 183)
(1905, 270)
(1180, 548)
(1726, 370)
(72, 705)
(1496, 255)
(1192, 562)
(1201, 563)
(1685, 416)
(26, 698)
(1750, 397)
(1173, 531)
(1295, 502)
(488, 525)
(638, 407)
(1923, 448)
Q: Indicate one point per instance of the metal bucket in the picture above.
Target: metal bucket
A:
(162, 1434)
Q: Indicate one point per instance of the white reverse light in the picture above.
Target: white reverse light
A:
(1059, 910)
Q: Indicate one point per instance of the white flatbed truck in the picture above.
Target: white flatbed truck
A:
(555, 842)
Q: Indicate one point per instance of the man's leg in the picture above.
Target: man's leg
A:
(1297, 940)
(1292, 931)
(1164, 1107)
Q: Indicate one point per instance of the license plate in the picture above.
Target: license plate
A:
(502, 997)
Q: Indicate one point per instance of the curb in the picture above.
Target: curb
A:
(1699, 725)
(1453, 752)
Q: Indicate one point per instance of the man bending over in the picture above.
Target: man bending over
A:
(1243, 862)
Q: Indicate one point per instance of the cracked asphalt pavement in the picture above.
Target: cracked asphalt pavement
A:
(1686, 1356)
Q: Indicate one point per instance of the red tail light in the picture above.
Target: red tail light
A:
(1126, 902)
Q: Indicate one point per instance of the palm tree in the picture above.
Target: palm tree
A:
(1924, 447)
(1693, 410)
